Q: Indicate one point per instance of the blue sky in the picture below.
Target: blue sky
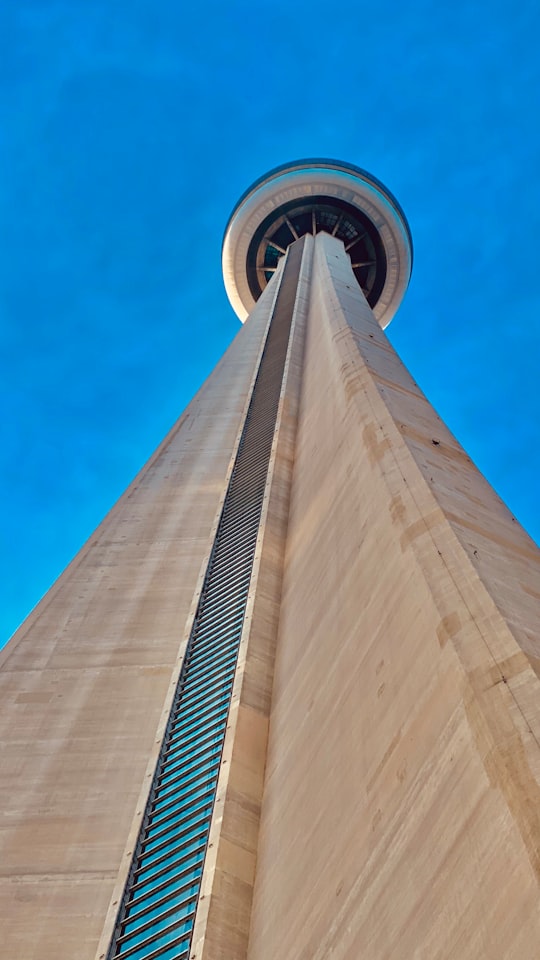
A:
(127, 132)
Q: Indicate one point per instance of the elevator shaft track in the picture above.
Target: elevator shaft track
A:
(159, 905)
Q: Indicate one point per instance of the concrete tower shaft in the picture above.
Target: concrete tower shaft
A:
(315, 196)
(286, 700)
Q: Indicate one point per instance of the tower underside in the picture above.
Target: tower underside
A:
(368, 668)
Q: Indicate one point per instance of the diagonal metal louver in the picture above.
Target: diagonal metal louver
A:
(157, 914)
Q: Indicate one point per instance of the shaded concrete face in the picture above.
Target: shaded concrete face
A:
(380, 794)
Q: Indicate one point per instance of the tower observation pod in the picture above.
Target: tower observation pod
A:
(285, 702)
(310, 197)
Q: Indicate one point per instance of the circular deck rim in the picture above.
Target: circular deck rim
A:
(369, 195)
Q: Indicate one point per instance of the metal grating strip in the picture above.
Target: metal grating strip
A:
(160, 874)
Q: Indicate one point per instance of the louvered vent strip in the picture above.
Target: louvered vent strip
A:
(160, 901)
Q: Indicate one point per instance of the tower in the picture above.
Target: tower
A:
(286, 701)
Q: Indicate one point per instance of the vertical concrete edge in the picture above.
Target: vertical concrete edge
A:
(230, 863)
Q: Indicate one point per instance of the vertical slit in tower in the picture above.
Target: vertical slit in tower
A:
(157, 914)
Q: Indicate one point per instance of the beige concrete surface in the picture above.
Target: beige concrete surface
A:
(401, 811)
(83, 682)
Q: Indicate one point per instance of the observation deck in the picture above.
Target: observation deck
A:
(311, 196)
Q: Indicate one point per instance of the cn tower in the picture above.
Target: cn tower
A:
(285, 702)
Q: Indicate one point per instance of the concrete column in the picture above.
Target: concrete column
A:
(401, 811)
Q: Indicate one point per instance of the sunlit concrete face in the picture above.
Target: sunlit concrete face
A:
(401, 809)
(376, 792)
